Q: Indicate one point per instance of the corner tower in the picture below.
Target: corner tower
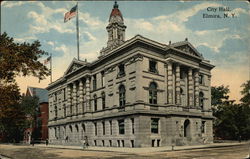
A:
(115, 28)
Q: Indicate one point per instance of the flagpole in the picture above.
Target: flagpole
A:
(50, 67)
(77, 31)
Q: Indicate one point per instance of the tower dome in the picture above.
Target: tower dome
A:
(115, 15)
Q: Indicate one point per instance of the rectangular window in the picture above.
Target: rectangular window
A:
(132, 143)
(133, 125)
(201, 79)
(110, 143)
(152, 66)
(155, 125)
(121, 70)
(103, 127)
(203, 124)
(94, 82)
(122, 143)
(95, 127)
(103, 78)
(95, 103)
(121, 126)
(64, 94)
(158, 143)
(110, 123)
(182, 74)
(103, 101)
(118, 142)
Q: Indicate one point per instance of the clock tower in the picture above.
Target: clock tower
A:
(115, 28)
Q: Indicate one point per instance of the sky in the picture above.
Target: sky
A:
(222, 41)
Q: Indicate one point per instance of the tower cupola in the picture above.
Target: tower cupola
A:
(115, 28)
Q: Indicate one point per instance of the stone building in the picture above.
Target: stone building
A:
(138, 93)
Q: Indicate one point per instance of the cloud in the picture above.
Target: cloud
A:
(183, 15)
(43, 24)
(11, 4)
(238, 11)
(204, 32)
(51, 43)
(23, 39)
(91, 21)
(62, 48)
(88, 36)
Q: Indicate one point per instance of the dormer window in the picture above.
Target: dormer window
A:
(153, 66)
(121, 70)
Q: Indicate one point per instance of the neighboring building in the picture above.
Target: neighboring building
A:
(41, 119)
(139, 93)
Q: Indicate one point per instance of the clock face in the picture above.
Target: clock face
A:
(116, 19)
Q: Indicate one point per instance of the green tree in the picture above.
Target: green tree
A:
(232, 120)
(20, 59)
(16, 59)
(246, 93)
(30, 106)
(219, 94)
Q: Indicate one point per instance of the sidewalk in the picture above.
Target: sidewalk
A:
(144, 150)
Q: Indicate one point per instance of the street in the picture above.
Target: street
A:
(39, 152)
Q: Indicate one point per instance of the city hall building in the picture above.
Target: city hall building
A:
(138, 93)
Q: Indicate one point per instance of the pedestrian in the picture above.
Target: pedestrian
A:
(46, 142)
(86, 141)
(83, 143)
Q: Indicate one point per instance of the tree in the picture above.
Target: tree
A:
(232, 120)
(16, 59)
(20, 59)
(30, 107)
(246, 93)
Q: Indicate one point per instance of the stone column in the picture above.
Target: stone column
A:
(69, 106)
(170, 83)
(178, 85)
(190, 87)
(88, 94)
(80, 108)
(74, 99)
(196, 88)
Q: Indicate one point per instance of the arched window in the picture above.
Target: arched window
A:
(201, 100)
(70, 127)
(122, 96)
(76, 128)
(95, 102)
(83, 130)
(103, 100)
(187, 128)
(153, 93)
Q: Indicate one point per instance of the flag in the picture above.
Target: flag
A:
(47, 60)
(70, 14)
